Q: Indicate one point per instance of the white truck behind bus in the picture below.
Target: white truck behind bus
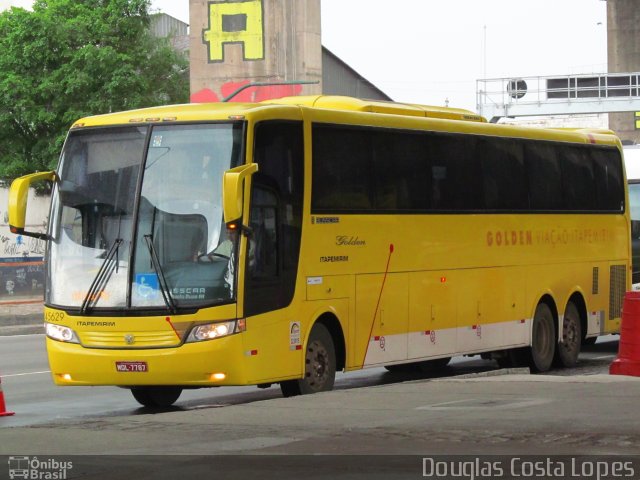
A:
(632, 165)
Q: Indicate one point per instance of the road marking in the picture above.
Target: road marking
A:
(485, 404)
(24, 374)
(25, 335)
(212, 405)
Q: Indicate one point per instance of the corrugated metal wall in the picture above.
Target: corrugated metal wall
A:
(163, 25)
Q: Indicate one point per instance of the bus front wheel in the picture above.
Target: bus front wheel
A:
(320, 365)
(156, 397)
(543, 339)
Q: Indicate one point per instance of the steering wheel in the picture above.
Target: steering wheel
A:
(209, 257)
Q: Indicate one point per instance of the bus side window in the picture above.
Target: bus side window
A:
(397, 161)
(341, 169)
(578, 183)
(504, 180)
(545, 177)
(454, 172)
(607, 166)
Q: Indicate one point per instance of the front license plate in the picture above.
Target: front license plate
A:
(132, 367)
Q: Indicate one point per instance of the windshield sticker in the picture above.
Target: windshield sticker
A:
(81, 295)
(157, 141)
(147, 285)
(189, 293)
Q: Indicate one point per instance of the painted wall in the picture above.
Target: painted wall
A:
(236, 42)
(21, 258)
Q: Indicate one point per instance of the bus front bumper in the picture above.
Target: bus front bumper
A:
(201, 364)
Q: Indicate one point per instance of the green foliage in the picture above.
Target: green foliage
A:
(67, 59)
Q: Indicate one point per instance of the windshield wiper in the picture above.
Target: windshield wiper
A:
(102, 277)
(164, 287)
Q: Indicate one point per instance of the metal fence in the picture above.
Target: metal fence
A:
(558, 95)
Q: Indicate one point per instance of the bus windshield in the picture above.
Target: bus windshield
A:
(164, 247)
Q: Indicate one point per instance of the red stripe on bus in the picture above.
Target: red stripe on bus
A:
(375, 312)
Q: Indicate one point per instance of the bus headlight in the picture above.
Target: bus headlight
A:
(60, 333)
(210, 331)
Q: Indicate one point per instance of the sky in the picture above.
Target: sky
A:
(433, 51)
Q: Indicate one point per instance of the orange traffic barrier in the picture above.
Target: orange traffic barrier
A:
(628, 360)
(3, 407)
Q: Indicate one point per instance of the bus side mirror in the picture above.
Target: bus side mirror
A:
(18, 196)
(232, 183)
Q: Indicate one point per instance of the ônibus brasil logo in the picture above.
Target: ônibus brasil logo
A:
(30, 468)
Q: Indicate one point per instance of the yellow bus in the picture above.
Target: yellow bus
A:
(253, 244)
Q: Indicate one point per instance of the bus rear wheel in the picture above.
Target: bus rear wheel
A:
(320, 365)
(568, 350)
(156, 397)
(543, 339)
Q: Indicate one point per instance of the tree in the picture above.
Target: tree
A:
(67, 59)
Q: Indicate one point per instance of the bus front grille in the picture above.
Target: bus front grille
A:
(129, 339)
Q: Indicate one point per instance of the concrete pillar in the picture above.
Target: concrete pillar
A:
(235, 42)
(623, 38)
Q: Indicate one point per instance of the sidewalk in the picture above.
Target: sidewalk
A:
(21, 316)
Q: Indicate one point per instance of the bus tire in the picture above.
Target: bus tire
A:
(156, 397)
(320, 365)
(543, 340)
(568, 350)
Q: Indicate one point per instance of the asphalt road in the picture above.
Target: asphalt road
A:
(384, 431)
(29, 390)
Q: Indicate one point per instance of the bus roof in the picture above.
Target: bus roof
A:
(169, 113)
(289, 107)
(337, 102)
(207, 111)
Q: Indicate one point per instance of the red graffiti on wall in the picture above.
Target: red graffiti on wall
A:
(251, 94)
(205, 96)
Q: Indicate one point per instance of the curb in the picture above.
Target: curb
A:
(31, 301)
(492, 373)
(21, 317)
(14, 319)
(22, 330)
